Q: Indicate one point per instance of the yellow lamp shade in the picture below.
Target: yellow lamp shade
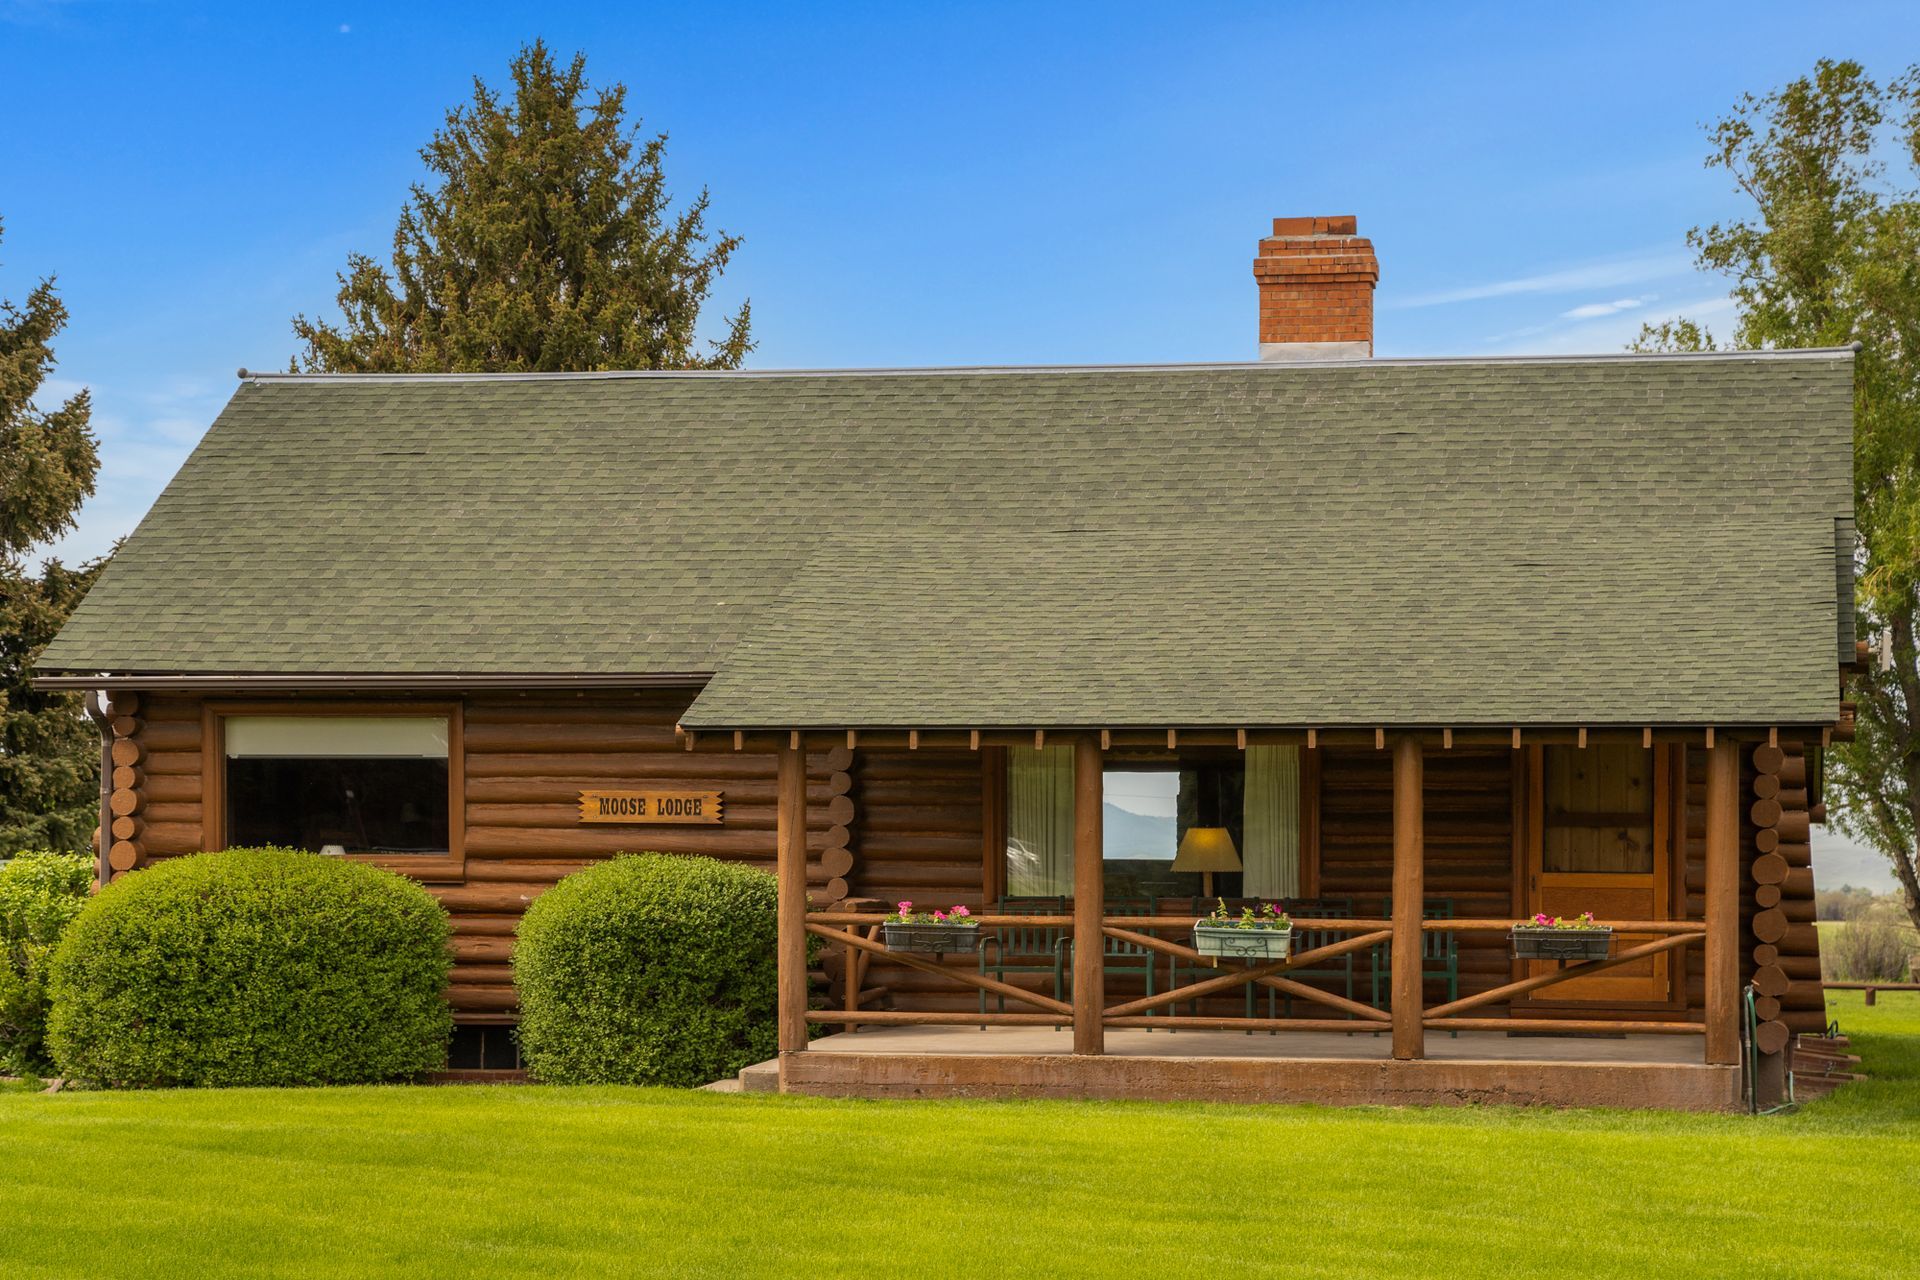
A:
(1206, 849)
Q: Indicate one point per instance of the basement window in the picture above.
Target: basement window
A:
(354, 784)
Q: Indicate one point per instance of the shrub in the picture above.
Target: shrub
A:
(648, 970)
(253, 967)
(40, 894)
(1838, 904)
(1872, 946)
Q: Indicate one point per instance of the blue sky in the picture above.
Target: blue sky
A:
(916, 184)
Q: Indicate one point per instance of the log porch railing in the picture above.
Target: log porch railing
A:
(1407, 1018)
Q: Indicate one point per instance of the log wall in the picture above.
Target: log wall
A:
(526, 759)
(888, 825)
(1469, 844)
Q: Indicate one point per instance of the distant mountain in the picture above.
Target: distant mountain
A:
(1126, 834)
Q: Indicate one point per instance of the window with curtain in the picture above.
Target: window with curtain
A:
(1040, 822)
(1270, 854)
(1149, 806)
(359, 784)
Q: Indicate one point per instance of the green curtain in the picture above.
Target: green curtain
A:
(1271, 855)
(1040, 822)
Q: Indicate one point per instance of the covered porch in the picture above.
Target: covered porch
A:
(1232, 1030)
(1432, 676)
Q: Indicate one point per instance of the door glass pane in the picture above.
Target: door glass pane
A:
(1599, 810)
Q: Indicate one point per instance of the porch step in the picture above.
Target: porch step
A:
(1809, 1088)
(761, 1077)
(1822, 1064)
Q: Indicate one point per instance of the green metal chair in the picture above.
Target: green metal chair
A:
(1439, 956)
(1343, 969)
(1022, 949)
(1179, 970)
(1120, 957)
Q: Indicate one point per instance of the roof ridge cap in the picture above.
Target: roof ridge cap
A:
(908, 371)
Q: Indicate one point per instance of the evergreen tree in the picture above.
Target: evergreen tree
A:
(49, 753)
(546, 244)
(1831, 255)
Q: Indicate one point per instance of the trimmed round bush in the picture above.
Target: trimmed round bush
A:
(648, 969)
(253, 967)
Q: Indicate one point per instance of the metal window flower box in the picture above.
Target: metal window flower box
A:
(932, 939)
(1543, 942)
(1230, 943)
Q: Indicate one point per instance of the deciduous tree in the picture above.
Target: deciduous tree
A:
(1830, 254)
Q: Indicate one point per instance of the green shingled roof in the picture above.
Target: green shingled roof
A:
(1514, 622)
(625, 525)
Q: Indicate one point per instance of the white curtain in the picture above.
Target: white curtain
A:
(1271, 827)
(1040, 822)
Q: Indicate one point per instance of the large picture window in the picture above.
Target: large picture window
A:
(1150, 805)
(366, 784)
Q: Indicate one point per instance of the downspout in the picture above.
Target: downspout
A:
(95, 701)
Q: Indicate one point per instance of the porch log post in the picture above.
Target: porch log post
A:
(790, 853)
(1409, 897)
(1723, 903)
(1089, 900)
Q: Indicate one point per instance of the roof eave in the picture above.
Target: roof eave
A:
(290, 682)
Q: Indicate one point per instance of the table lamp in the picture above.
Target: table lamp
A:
(1206, 850)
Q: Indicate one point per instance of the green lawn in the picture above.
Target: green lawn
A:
(548, 1181)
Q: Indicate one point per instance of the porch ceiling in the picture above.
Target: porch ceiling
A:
(1555, 618)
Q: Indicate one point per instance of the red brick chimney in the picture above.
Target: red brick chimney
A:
(1316, 279)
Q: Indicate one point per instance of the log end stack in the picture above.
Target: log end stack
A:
(128, 795)
(837, 860)
(1786, 945)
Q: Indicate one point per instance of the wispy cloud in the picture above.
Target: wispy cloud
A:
(1594, 310)
(1607, 274)
(145, 435)
(1609, 330)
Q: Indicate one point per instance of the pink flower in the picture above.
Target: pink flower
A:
(1543, 919)
(939, 917)
(962, 911)
(906, 908)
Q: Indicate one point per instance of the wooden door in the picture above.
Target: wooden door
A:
(1601, 840)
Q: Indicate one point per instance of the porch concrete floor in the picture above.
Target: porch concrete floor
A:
(1129, 1042)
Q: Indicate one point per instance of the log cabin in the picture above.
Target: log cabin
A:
(1438, 644)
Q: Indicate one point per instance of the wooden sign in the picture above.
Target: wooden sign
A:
(651, 806)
